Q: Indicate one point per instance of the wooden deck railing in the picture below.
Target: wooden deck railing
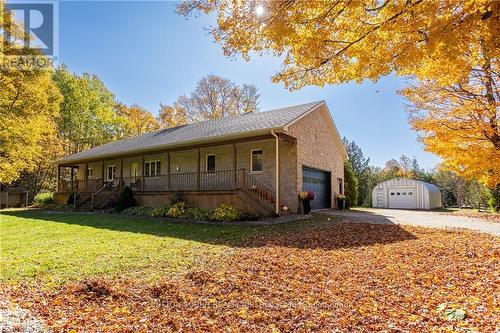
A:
(185, 181)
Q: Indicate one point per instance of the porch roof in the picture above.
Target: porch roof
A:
(246, 125)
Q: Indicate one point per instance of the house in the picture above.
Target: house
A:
(407, 194)
(257, 162)
(13, 197)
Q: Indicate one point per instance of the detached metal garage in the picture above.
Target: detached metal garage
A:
(406, 194)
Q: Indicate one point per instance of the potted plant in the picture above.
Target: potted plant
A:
(340, 201)
(306, 197)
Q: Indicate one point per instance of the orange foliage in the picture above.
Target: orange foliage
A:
(331, 277)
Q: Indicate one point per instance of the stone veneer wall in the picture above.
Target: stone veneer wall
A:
(318, 147)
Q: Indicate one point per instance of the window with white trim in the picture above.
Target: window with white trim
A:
(90, 173)
(256, 160)
(152, 168)
(111, 172)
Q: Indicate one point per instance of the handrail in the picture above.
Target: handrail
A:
(106, 186)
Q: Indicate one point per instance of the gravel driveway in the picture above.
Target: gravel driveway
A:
(416, 218)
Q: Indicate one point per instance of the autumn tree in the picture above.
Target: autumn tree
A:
(29, 101)
(460, 122)
(215, 97)
(87, 116)
(135, 120)
(450, 47)
(171, 116)
(329, 42)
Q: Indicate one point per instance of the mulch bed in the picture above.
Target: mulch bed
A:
(337, 277)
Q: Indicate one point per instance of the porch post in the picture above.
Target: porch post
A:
(86, 176)
(58, 178)
(168, 170)
(143, 174)
(235, 166)
(72, 175)
(102, 174)
(121, 172)
(198, 171)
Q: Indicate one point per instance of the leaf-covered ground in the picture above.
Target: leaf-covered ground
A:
(486, 216)
(328, 276)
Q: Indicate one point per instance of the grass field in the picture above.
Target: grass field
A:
(57, 247)
(105, 273)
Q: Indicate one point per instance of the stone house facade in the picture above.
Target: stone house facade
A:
(241, 161)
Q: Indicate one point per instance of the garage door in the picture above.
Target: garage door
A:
(401, 198)
(318, 182)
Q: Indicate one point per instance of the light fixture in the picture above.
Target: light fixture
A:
(259, 10)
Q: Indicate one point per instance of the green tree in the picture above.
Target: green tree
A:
(360, 165)
(351, 185)
(87, 117)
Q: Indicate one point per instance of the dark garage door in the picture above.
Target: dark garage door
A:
(318, 182)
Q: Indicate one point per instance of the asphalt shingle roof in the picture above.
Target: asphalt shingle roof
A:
(197, 132)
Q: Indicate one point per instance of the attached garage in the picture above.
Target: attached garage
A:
(319, 182)
(405, 193)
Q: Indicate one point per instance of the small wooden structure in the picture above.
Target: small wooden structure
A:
(13, 197)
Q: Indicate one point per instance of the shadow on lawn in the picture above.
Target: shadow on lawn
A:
(318, 233)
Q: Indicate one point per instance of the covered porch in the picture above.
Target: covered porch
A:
(249, 165)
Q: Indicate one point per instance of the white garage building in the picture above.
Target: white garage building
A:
(407, 194)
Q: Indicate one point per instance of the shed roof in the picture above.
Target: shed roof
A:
(398, 182)
(242, 125)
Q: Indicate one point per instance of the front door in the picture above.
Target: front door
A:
(111, 174)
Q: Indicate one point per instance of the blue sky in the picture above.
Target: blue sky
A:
(146, 54)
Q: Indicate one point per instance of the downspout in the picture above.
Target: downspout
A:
(277, 174)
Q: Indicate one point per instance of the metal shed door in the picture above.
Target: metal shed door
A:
(318, 182)
(402, 198)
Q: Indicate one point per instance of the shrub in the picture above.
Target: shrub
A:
(200, 214)
(160, 211)
(176, 198)
(125, 199)
(43, 199)
(177, 210)
(71, 199)
(226, 213)
(138, 211)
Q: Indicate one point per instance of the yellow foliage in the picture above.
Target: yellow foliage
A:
(328, 42)
(460, 123)
(135, 120)
(29, 102)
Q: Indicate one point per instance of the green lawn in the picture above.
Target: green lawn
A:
(57, 247)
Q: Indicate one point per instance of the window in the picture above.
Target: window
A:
(256, 161)
(341, 188)
(152, 169)
(111, 172)
(410, 193)
(392, 193)
(90, 173)
(398, 193)
(404, 193)
(210, 163)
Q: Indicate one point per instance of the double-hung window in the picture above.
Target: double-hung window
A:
(152, 168)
